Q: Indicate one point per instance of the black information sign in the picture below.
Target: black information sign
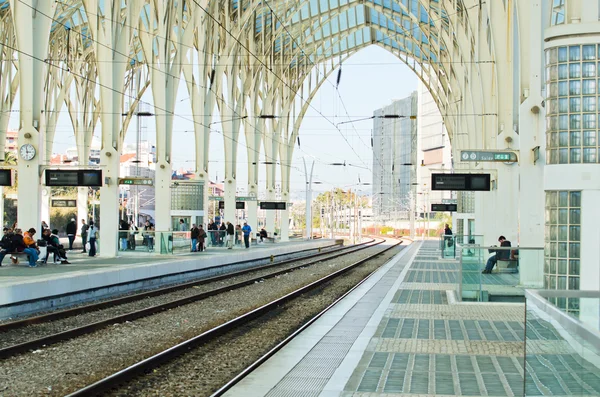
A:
(444, 207)
(272, 205)
(64, 203)
(73, 177)
(469, 182)
(221, 205)
(240, 205)
(5, 178)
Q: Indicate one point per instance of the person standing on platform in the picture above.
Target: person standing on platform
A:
(448, 236)
(71, 230)
(230, 235)
(44, 226)
(238, 235)
(194, 234)
(84, 235)
(93, 235)
(201, 238)
(123, 230)
(246, 230)
(213, 230)
(222, 231)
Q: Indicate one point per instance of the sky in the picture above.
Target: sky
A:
(371, 79)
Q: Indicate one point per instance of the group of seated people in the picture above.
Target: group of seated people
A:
(14, 241)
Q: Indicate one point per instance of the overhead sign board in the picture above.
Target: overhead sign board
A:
(58, 203)
(242, 198)
(240, 205)
(444, 207)
(136, 180)
(74, 178)
(273, 205)
(485, 155)
(461, 182)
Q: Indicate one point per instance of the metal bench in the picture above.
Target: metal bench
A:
(507, 266)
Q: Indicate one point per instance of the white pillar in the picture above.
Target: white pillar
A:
(230, 189)
(109, 203)
(270, 214)
(45, 207)
(162, 194)
(82, 205)
(284, 218)
(32, 30)
(252, 208)
(532, 130)
(308, 218)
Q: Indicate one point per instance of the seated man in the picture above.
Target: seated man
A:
(263, 235)
(497, 255)
(31, 249)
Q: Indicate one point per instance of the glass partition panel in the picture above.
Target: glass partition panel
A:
(562, 346)
(136, 241)
(496, 273)
(448, 244)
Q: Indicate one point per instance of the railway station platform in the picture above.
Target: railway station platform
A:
(399, 333)
(26, 290)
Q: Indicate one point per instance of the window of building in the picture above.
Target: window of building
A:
(572, 124)
(562, 239)
(558, 12)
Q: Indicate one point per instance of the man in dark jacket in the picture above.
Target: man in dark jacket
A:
(230, 235)
(222, 231)
(194, 234)
(497, 255)
(71, 230)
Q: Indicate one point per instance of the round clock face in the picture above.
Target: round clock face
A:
(27, 151)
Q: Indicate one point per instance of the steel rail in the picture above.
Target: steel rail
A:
(287, 340)
(60, 314)
(147, 364)
(88, 328)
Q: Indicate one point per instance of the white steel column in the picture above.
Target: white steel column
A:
(82, 205)
(32, 30)
(112, 40)
(531, 127)
(308, 198)
(45, 208)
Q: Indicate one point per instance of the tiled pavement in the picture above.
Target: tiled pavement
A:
(404, 338)
(426, 347)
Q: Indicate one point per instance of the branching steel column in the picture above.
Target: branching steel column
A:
(112, 40)
(161, 37)
(32, 31)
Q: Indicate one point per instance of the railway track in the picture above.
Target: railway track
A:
(49, 330)
(131, 379)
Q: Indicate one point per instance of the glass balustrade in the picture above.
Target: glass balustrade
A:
(562, 345)
(495, 273)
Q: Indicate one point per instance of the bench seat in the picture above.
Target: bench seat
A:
(507, 266)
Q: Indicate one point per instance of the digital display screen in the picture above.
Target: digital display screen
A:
(91, 178)
(480, 182)
(240, 205)
(62, 178)
(64, 203)
(468, 182)
(73, 177)
(444, 207)
(5, 178)
(273, 205)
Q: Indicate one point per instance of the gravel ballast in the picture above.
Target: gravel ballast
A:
(67, 366)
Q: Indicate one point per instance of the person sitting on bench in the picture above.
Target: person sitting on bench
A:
(263, 235)
(498, 255)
